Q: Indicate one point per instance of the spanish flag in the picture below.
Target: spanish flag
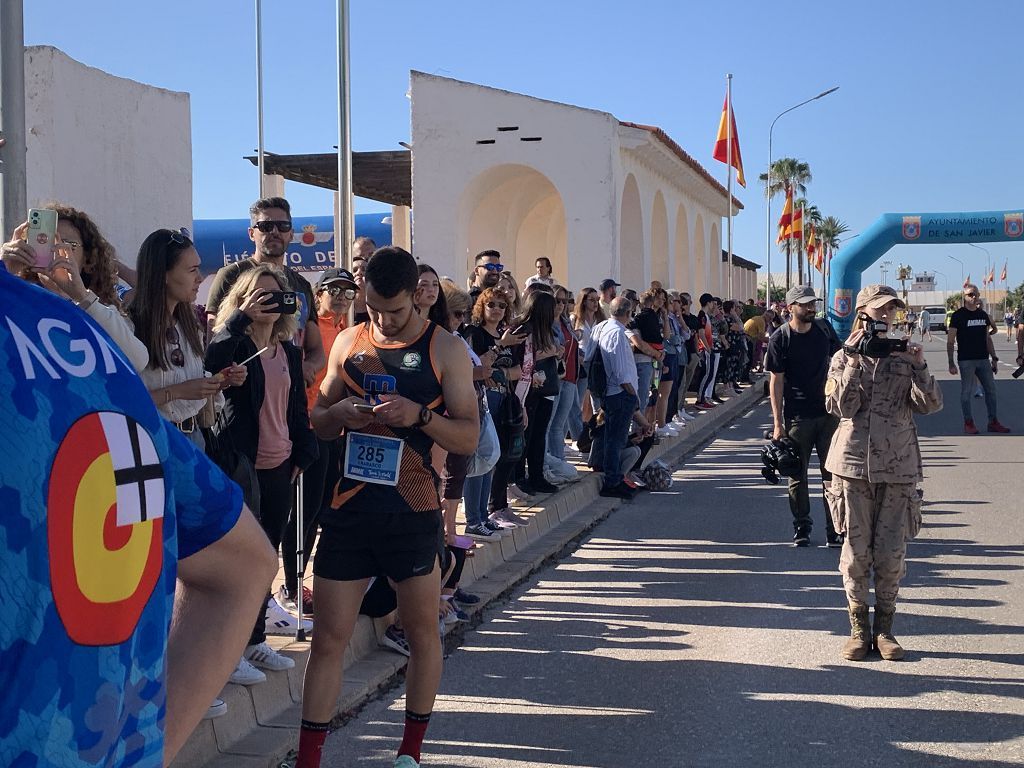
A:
(721, 152)
(967, 280)
(813, 257)
(1002, 276)
(796, 230)
(786, 220)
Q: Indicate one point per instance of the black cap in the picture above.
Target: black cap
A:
(608, 283)
(331, 276)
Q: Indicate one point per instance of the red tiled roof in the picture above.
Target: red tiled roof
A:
(682, 154)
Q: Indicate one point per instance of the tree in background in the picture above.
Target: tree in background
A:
(787, 174)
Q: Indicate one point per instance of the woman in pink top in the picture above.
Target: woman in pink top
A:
(266, 424)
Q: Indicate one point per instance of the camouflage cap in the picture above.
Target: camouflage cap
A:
(877, 296)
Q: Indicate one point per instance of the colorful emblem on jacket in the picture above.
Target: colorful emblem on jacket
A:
(105, 527)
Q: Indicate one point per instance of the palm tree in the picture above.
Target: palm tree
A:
(787, 173)
(829, 231)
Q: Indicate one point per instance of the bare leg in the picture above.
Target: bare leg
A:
(337, 607)
(417, 606)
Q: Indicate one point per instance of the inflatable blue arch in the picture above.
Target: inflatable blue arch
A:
(910, 229)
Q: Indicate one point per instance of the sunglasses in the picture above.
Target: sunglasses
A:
(177, 356)
(335, 290)
(458, 314)
(269, 226)
(971, 295)
(497, 305)
(181, 236)
(493, 267)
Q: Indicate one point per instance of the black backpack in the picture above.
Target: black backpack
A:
(597, 376)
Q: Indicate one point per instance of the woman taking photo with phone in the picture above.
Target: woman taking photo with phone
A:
(164, 316)
(83, 270)
(875, 463)
(266, 422)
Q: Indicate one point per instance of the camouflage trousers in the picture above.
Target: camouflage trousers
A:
(877, 519)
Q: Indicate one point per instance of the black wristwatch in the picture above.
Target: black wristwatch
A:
(850, 350)
(425, 416)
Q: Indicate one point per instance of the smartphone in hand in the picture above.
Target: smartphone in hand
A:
(42, 235)
(285, 301)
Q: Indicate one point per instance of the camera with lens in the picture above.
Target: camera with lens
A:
(781, 458)
(871, 344)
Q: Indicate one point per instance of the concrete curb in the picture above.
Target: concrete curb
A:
(261, 725)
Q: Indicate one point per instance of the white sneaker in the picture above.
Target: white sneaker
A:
(265, 657)
(246, 674)
(280, 622)
(664, 432)
(285, 601)
(217, 709)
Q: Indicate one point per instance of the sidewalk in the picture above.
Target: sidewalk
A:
(261, 725)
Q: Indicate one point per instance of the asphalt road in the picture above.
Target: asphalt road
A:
(688, 632)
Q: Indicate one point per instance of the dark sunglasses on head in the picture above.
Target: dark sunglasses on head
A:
(493, 267)
(181, 235)
(177, 356)
(268, 226)
(335, 290)
(496, 305)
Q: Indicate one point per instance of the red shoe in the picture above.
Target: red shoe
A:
(995, 426)
(969, 428)
(705, 406)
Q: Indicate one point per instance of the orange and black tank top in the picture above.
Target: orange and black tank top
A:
(372, 369)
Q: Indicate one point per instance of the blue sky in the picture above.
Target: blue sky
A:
(928, 115)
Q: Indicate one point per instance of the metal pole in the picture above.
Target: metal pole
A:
(768, 259)
(14, 204)
(728, 171)
(343, 237)
(300, 550)
(259, 94)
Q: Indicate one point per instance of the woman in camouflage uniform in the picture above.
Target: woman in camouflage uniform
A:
(876, 465)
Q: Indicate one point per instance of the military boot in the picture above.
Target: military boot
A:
(859, 644)
(887, 645)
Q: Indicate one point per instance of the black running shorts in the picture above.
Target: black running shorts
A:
(356, 545)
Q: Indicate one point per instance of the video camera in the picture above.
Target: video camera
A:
(780, 458)
(873, 345)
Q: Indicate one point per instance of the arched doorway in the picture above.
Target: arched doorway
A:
(683, 280)
(700, 252)
(659, 241)
(516, 210)
(631, 237)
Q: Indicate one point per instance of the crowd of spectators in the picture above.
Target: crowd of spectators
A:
(566, 378)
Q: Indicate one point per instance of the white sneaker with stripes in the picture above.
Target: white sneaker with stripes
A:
(280, 622)
(265, 657)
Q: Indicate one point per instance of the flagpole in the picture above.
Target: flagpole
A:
(728, 171)
(803, 243)
(260, 155)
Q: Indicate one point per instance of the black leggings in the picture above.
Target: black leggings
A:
(538, 413)
(318, 482)
(275, 503)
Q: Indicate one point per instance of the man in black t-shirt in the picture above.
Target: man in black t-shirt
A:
(798, 358)
(969, 331)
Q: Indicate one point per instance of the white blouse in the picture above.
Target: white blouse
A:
(178, 411)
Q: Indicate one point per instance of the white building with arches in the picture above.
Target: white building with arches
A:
(529, 177)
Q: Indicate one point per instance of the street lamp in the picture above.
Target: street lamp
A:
(768, 260)
(988, 267)
(954, 258)
(946, 278)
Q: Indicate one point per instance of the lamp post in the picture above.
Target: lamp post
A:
(988, 267)
(946, 278)
(954, 258)
(768, 260)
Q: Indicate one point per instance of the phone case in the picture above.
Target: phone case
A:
(42, 233)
